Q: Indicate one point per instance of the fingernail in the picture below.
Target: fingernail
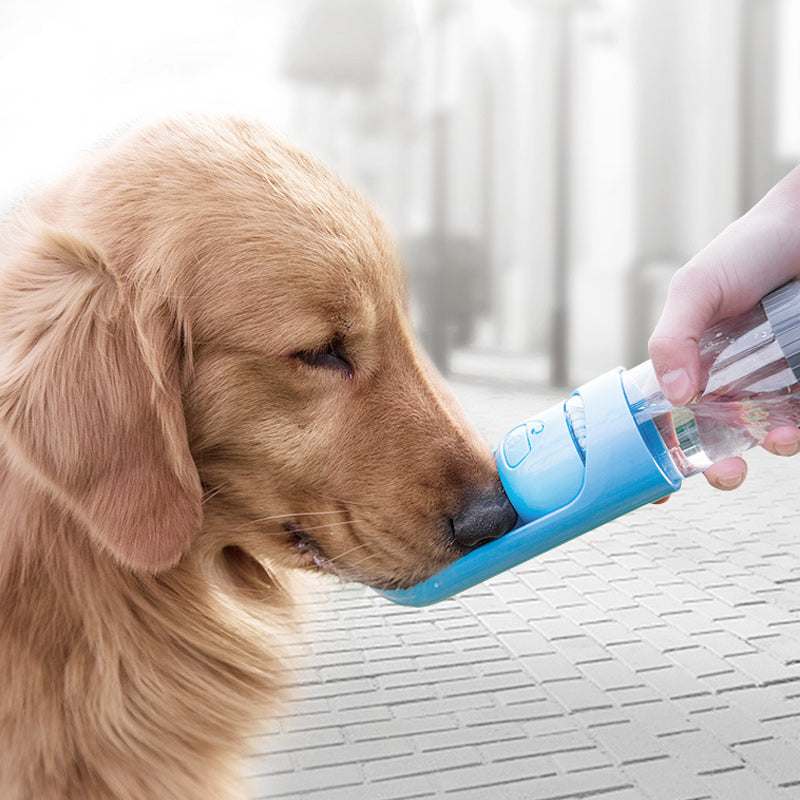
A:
(791, 448)
(727, 484)
(676, 385)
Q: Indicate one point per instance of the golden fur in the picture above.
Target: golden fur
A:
(208, 380)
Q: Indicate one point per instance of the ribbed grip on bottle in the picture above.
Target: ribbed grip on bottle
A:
(782, 308)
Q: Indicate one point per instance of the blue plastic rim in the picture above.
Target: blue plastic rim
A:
(622, 471)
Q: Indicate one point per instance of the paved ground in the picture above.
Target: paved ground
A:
(657, 658)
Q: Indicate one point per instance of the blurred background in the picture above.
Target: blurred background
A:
(545, 165)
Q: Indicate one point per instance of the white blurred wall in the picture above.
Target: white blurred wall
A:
(545, 164)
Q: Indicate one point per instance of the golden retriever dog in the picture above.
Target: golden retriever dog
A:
(208, 381)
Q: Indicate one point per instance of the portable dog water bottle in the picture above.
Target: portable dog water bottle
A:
(616, 443)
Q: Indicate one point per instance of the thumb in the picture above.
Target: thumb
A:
(753, 255)
(691, 305)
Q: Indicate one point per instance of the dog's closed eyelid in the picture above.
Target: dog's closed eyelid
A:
(330, 356)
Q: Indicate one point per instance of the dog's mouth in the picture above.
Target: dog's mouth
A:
(309, 551)
(311, 555)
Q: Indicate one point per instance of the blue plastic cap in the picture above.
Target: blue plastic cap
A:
(539, 465)
(622, 472)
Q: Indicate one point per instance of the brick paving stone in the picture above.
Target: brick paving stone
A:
(294, 741)
(340, 718)
(764, 668)
(657, 603)
(775, 760)
(635, 696)
(445, 659)
(549, 667)
(585, 614)
(578, 695)
(436, 706)
(434, 676)
(611, 715)
(589, 784)
(660, 718)
(729, 725)
(672, 682)
(770, 614)
(627, 742)
(414, 787)
(640, 656)
(611, 675)
(745, 627)
(561, 597)
(436, 761)
(665, 779)
(582, 760)
(522, 696)
(742, 784)
(783, 648)
(498, 733)
(610, 633)
(552, 744)
(700, 752)
(321, 756)
(723, 643)
(278, 762)
(664, 637)
(410, 727)
(758, 702)
(556, 628)
(494, 774)
(785, 726)
(636, 618)
(690, 621)
(525, 643)
(532, 712)
(551, 726)
(627, 793)
(730, 681)
(300, 783)
(395, 696)
(581, 649)
(504, 622)
(699, 662)
(500, 685)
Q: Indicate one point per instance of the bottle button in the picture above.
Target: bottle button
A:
(516, 446)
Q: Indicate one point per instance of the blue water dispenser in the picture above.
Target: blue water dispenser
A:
(616, 443)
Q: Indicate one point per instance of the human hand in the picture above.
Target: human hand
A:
(754, 255)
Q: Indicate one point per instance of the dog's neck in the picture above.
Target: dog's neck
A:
(107, 674)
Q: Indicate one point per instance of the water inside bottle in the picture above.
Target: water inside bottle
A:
(748, 389)
(698, 436)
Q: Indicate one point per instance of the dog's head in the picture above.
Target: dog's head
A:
(207, 345)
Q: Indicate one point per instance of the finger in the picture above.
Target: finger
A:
(692, 300)
(727, 474)
(783, 441)
(755, 254)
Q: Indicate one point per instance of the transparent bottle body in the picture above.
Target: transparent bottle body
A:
(747, 390)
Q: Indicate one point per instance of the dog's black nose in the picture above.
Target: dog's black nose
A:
(487, 515)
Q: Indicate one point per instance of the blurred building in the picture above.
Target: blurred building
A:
(547, 164)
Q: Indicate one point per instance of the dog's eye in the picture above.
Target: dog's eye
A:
(331, 356)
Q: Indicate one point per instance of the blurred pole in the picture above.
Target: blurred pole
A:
(559, 330)
(444, 279)
(439, 320)
(757, 102)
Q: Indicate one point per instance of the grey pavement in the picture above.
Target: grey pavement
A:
(656, 658)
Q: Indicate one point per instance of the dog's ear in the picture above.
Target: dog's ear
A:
(90, 399)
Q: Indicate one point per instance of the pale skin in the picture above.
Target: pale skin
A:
(753, 255)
